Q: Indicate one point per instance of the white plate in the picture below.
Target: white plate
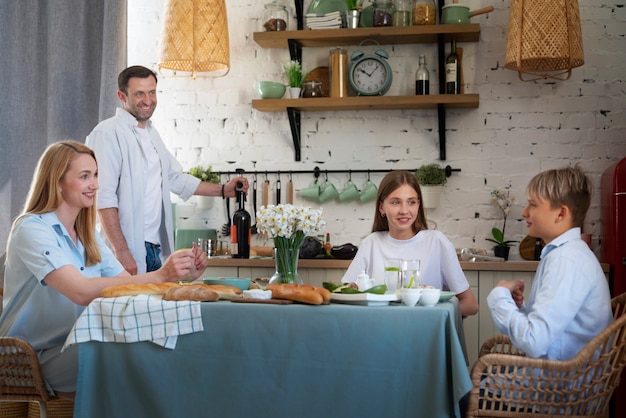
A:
(366, 299)
(446, 295)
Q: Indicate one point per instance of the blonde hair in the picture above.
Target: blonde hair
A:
(388, 184)
(44, 195)
(568, 186)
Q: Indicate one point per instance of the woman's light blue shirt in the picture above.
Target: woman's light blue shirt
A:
(38, 245)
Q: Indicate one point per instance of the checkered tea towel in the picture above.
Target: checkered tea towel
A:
(129, 319)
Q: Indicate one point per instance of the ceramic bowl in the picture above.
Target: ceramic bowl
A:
(270, 89)
(410, 296)
(429, 297)
(242, 284)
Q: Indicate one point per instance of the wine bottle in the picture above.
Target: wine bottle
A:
(422, 83)
(240, 229)
(453, 72)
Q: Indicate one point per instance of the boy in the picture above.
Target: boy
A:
(569, 302)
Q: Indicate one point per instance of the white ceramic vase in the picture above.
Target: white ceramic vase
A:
(431, 195)
(294, 92)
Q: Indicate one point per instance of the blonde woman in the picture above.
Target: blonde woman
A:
(56, 263)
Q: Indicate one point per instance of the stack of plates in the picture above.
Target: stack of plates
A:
(331, 20)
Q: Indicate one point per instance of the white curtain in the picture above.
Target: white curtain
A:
(59, 61)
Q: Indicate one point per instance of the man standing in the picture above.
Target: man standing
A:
(137, 174)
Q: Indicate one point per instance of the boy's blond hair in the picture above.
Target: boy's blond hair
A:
(568, 186)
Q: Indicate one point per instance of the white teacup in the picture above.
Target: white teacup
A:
(429, 297)
(410, 297)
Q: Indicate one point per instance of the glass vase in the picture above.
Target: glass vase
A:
(286, 260)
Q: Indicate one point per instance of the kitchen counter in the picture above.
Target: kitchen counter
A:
(330, 263)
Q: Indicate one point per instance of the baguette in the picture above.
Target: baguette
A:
(296, 292)
(223, 291)
(199, 293)
(133, 289)
(326, 295)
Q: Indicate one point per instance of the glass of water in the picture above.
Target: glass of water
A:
(393, 274)
(410, 274)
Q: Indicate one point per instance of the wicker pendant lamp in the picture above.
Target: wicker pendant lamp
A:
(544, 39)
(195, 38)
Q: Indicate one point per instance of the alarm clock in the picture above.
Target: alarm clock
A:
(370, 75)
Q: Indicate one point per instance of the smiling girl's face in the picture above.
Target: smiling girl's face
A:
(400, 208)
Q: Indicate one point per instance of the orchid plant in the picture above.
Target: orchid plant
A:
(504, 201)
(355, 4)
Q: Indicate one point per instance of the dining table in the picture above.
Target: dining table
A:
(285, 360)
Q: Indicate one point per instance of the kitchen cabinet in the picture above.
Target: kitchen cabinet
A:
(296, 40)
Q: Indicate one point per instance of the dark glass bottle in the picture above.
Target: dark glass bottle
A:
(422, 83)
(453, 72)
(327, 246)
(240, 230)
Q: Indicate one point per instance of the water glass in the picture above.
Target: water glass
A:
(410, 274)
(393, 274)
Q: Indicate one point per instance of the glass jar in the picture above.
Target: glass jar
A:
(311, 89)
(383, 12)
(338, 70)
(402, 14)
(424, 12)
(275, 17)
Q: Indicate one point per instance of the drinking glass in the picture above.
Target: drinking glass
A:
(393, 274)
(410, 274)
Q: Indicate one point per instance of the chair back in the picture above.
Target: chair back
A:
(20, 374)
(508, 385)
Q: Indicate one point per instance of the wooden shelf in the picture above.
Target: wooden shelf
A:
(388, 35)
(320, 104)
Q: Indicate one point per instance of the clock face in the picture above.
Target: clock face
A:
(370, 76)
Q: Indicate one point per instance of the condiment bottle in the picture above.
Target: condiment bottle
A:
(327, 246)
(422, 78)
(338, 67)
(275, 17)
(424, 12)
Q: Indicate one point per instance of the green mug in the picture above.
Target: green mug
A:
(312, 192)
(369, 192)
(351, 192)
(329, 193)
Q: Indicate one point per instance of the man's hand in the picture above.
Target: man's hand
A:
(127, 261)
(229, 188)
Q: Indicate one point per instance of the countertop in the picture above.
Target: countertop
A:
(327, 263)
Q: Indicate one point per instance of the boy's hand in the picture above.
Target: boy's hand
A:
(516, 287)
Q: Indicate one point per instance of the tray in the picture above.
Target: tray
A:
(365, 299)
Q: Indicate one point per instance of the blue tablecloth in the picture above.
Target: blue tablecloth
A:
(256, 360)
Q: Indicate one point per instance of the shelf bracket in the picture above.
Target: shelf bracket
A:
(441, 116)
(295, 50)
(294, 123)
(441, 109)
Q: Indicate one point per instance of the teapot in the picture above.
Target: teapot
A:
(364, 282)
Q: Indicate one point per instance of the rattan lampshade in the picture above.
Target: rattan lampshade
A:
(195, 38)
(544, 39)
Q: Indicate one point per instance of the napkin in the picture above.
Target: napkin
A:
(129, 319)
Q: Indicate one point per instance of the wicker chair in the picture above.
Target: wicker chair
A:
(508, 384)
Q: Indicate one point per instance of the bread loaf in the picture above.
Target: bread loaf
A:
(224, 292)
(133, 289)
(325, 294)
(199, 293)
(297, 292)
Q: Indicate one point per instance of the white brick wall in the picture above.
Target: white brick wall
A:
(518, 130)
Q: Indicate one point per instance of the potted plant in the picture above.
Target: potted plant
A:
(504, 202)
(353, 14)
(293, 72)
(431, 178)
(209, 176)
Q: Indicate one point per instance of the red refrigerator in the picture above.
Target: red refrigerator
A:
(614, 248)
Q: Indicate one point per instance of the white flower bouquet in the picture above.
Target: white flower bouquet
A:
(287, 225)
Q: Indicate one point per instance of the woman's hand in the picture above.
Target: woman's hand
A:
(179, 266)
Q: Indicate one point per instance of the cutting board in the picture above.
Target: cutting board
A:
(269, 301)
(527, 247)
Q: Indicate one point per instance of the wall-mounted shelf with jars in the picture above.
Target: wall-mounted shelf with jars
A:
(390, 35)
